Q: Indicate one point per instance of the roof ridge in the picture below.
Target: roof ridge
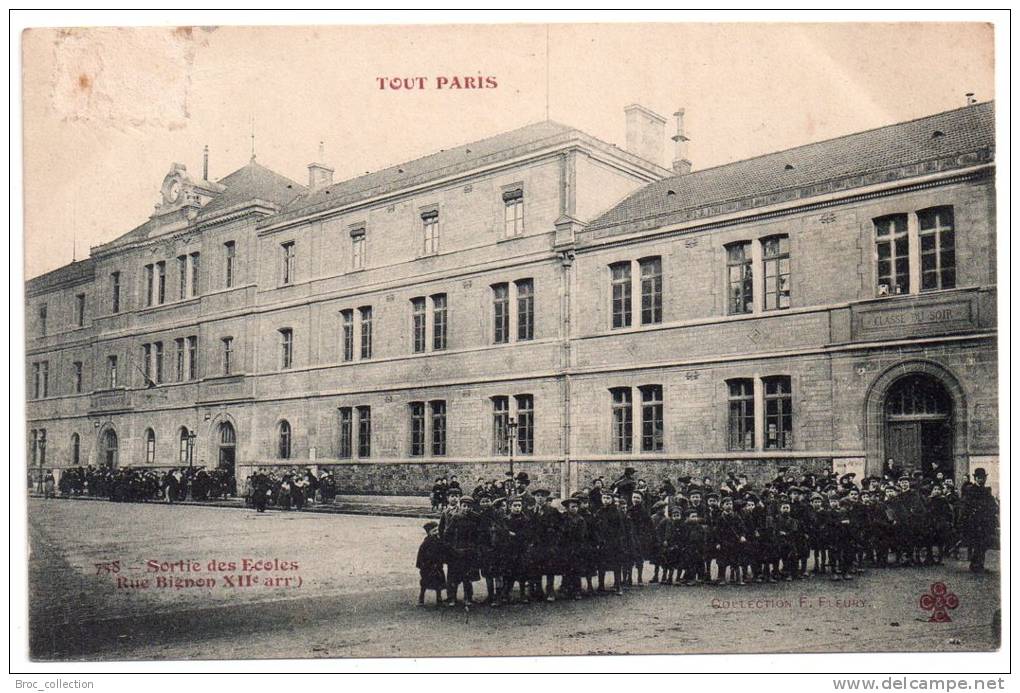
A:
(835, 138)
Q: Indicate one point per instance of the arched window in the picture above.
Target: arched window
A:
(284, 449)
(150, 446)
(185, 449)
(75, 449)
(111, 447)
(227, 434)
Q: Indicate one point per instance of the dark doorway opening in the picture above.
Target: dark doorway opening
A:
(918, 426)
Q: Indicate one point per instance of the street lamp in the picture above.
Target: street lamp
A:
(511, 434)
(191, 448)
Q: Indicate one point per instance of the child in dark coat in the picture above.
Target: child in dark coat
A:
(431, 557)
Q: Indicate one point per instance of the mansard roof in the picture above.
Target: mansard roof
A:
(944, 141)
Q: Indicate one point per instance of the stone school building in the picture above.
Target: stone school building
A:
(583, 306)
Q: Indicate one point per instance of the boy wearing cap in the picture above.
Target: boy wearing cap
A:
(609, 532)
(695, 541)
(642, 536)
(513, 544)
(545, 552)
(573, 538)
(730, 535)
(786, 531)
(430, 564)
(458, 528)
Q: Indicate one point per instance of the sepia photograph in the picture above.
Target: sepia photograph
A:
(509, 340)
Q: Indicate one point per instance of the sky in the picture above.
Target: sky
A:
(107, 111)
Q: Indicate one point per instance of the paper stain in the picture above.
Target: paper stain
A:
(124, 77)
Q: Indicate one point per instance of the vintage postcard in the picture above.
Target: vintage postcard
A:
(510, 340)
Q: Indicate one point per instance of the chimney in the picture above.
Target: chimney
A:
(681, 159)
(319, 175)
(646, 133)
(971, 100)
(205, 162)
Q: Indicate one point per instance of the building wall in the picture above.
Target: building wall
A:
(829, 342)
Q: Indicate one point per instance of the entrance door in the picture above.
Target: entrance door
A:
(903, 444)
(918, 426)
(110, 448)
(227, 447)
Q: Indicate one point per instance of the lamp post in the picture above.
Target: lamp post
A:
(511, 434)
(191, 448)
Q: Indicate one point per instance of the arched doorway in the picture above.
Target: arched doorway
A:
(918, 415)
(110, 448)
(228, 447)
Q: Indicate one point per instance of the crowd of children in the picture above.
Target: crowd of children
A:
(692, 533)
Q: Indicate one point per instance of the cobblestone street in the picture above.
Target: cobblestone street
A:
(146, 581)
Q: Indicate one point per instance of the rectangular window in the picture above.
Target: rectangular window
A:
(42, 446)
(418, 325)
(892, 244)
(438, 412)
(430, 232)
(160, 283)
(417, 428)
(196, 273)
(938, 248)
(513, 212)
(500, 313)
(44, 370)
(651, 418)
(525, 309)
(364, 431)
(192, 358)
(111, 371)
(741, 424)
(286, 348)
(623, 419)
(344, 448)
(439, 321)
(147, 363)
(525, 424)
(76, 377)
(158, 354)
(651, 290)
(36, 382)
(43, 316)
(366, 331)
(776, 258)
(778, 413)
(620, 272)
(179, 359)
(115, 292)
(347, 334)
(740, 278)
(229, 253)
(358, 249)
(500, 425)
(228, 354)
(148, 284)
(182, 277)
(287, 271)
(79, 310)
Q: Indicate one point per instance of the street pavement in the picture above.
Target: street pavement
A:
(111, 581)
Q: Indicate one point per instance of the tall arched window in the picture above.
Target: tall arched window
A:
(185, 447)
(150, 446)
(284, 449)
(75, 449)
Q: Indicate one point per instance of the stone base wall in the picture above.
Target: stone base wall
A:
(758, 471)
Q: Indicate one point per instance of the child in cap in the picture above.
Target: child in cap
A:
(430, 564)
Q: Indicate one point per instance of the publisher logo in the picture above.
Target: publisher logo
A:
(939, 601)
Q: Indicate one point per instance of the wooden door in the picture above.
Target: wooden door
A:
(903, 444)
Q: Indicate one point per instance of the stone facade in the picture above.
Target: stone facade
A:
(840, 344)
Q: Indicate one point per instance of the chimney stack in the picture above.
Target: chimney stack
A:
(319, 175)
(681, 158)
(205, 162)
(646, 133)
(971, 100)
